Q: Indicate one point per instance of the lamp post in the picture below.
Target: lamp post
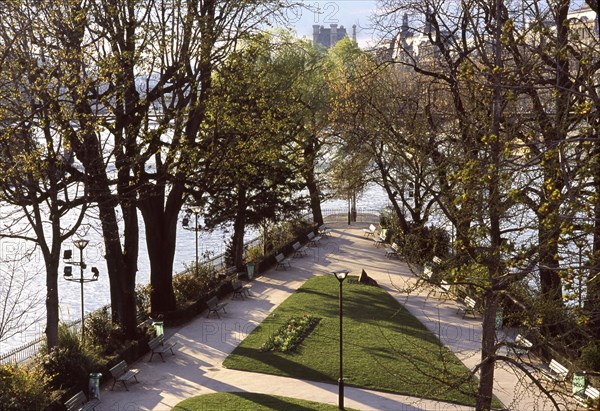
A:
(68, 274)
(341, 276)
(194, 209)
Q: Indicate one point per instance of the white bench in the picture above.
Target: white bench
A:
(556, 371)
(523, 345)
(382, 238)
(79, 402)
(282, 262)
(590, 393)
(121, 374)
(214, 306)
(299, 250)
(393, 251)
(369, 232)
(157, 346)
(467, 306)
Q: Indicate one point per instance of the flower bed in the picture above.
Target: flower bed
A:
(290, 335)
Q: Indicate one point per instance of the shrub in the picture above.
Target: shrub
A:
(191, 286)
(22, 389)
(102, 332)
(142, 298)
(70, 361)
(589, 359)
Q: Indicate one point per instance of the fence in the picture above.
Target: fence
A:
(332, 215)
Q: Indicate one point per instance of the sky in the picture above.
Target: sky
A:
(341, 12)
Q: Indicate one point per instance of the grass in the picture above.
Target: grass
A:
(385, 347)
(248, 401)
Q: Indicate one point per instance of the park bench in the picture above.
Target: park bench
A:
(324, 231)
(522, 345)
(240, 289)
(79, 402)
(467, 306)
(158, 346)
(214, 306)
(589, 394)
(299, 250)
(393, 251)
(369, 232)
(381, 239)
(282, 262)
(313, 241)
(555, 371)
(122, 374)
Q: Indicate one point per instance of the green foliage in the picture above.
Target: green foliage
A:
(191, 285)
(22, 388)
(70, 362)
(420, 244)
(589, 358)
(142, 298)
(291, 334)
(102, 332)
(254, 253)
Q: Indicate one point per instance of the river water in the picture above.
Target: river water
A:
(29, 262)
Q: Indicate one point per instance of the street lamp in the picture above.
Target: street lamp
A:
(341, 276)
(194, 209)
(68, 274)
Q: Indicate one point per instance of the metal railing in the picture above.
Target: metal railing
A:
(23, 353)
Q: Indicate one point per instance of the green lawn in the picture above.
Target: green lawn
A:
(248, 401)
(385, 348)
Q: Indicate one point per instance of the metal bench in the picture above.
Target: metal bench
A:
(369, 232)
(282, 262)
(299, 250)
(325, 231)
(122, 374)
(313, 241)
(79, 402)
(467, 306)
(214, 306)
(157, 346)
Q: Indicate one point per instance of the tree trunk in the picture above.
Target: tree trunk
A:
(488, 352)
(239, 228)
(52, 313)
(161, 240)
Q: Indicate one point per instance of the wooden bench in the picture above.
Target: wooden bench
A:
(214, 306)
(467, 306)
(299, 250)
(555, 372)
(157, 346)
(393, 251)
(378, 241)
(589, 394)
(79, 402)
(313, 241)
(369, 232)
(122, 374)
(240, 289)
(282, 262)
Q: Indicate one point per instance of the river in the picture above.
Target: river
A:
(30, 263)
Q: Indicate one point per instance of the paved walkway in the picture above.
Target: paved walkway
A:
(204, 343)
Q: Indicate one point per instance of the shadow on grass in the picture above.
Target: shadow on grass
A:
(276, 360)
